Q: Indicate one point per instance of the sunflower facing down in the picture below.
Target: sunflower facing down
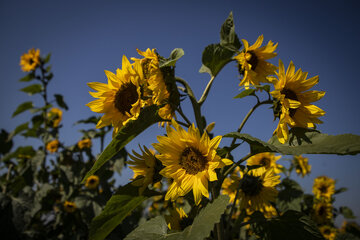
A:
(322, 212)
(55, 116)
(145, 167)
(324, 187)
(253, 64)
(29, 61)
(257, 188)
(154, 78)
(296, 108)
(119, 99)
(267, 160)
(190, 160)
(301, 165)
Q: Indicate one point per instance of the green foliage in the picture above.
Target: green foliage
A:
(5, 142)
(290, 197)
(347, 212)
(28, 78)
(245, 93)
(22, 108)
(60, 101)
(291, 225)
(19, 129)
(33, 89)
(307, 143)
(156, 228)
(228, 37)
(147, 117)
(175, 55)
(120, 205)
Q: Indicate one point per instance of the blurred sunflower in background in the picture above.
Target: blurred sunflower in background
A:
(29, 61)
(302, 167)
(267, 160)
(323, 187)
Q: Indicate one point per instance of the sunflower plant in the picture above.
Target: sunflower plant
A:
(189, 183)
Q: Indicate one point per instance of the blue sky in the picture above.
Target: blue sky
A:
(88, 37)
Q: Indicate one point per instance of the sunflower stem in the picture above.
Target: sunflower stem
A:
(232, 210)
(206, 91)
(183, 115)
(46, 103)
(195, 104)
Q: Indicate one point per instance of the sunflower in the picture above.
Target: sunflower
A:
(145, 167)
(85, 143)
(324, 187)
(253, 64)
(189, 159)
(231, 184)
(328, 232)
(268, 211)
(322, 212)
(29, 61)
(177, 219)
(69, 207)
(92, 182)
(267, 160)
(301, 165)
(155, 82)
(55, 116)
(119, 99)
(257, 188)
(52, 146)
(296, 108)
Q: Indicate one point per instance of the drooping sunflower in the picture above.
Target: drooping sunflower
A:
(324, 187)
(55, 116)
(155, 82)
(267, 160)
(296, 109)
(257, 188)
(253, 64)
(301, 165)
(85, 143)
(119, 99)
(92, 182)
(145, 167)
(322, 212)
(328, 232)
(52, 146)
(29, 61)
(69, 207)
(189, 159)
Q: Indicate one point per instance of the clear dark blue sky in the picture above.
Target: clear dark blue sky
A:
(86, 37)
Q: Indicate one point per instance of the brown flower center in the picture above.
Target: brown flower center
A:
(323, 189)
(321, 211)
(251, 185)
(265, 162)
(125, 97)
(253, 61)
(289, 94)
(193, 161)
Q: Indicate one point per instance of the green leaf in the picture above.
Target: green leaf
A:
(27, 78)
(32, 89)
(47, 58)
(147, 117)
(291, 225)
(340, 190)
(92, 119)
(309, 143)
(290, 197)
(245, 93)
(119, 206)
(22, 108)
(228, 37)
(60, 101)
(19, 129)
(5, 142)
(214, 58)
(156, 228)
(347, 212)
(175, 55)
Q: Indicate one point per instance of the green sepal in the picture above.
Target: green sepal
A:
(175, 55)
